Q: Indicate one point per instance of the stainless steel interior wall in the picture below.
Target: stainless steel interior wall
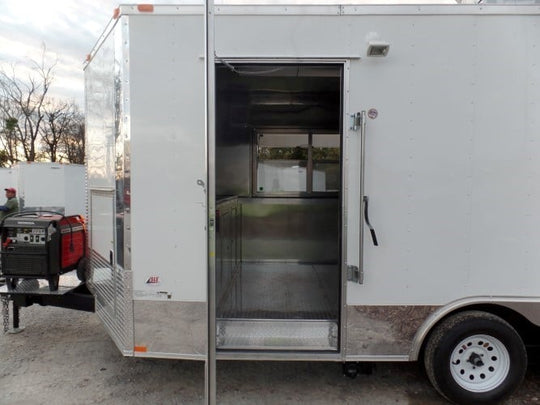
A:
(233, 154)
(290, 229)
(294, 98)
(228, 255)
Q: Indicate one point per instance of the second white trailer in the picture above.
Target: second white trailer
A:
(47, 186)
(338, 183)
(51, 186)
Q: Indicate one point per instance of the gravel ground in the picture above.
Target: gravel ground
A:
(66, 357)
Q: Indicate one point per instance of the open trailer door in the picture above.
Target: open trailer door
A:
(145, 86)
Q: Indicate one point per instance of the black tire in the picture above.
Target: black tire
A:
(475, 357)
(82, 269)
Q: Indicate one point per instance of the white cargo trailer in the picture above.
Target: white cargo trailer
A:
(232, 152)
(7, 178)
(51, 186)
(47, 186)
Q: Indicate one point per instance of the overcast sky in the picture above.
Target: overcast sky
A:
(67, 28)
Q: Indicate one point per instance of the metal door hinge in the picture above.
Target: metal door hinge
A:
(356, 121)
(355, 274)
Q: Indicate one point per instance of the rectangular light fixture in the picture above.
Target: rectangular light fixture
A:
(378, 48)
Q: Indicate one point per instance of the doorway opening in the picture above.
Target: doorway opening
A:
(278, 206)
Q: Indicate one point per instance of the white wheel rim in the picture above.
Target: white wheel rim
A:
(480, 363)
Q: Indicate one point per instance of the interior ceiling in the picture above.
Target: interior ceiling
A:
(288, 96)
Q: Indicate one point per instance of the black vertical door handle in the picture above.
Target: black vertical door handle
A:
(366, 218)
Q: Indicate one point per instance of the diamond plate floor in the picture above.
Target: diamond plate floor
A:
(286, 291)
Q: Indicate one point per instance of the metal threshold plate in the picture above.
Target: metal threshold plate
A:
(274, 334)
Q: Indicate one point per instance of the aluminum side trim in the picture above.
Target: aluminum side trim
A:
(376, 9)
(529, 307)
(170, 328)
(378, 358)
(383, 330)
(173, 356)
(281, 356)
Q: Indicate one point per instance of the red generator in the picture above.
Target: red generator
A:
(42, 246)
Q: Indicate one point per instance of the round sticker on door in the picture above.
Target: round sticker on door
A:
(372, 113)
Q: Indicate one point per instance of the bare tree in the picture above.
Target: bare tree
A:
(8, 131)
(32, 125)
(61, 121)
(72, 141)
(8, 141)
(23, 103)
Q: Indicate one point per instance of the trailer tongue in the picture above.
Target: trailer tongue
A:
(71, 294)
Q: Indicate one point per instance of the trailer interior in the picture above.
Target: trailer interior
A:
(278, 206)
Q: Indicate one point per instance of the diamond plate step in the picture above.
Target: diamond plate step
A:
(272, 334)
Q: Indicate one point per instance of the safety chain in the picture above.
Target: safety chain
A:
(5, 313)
